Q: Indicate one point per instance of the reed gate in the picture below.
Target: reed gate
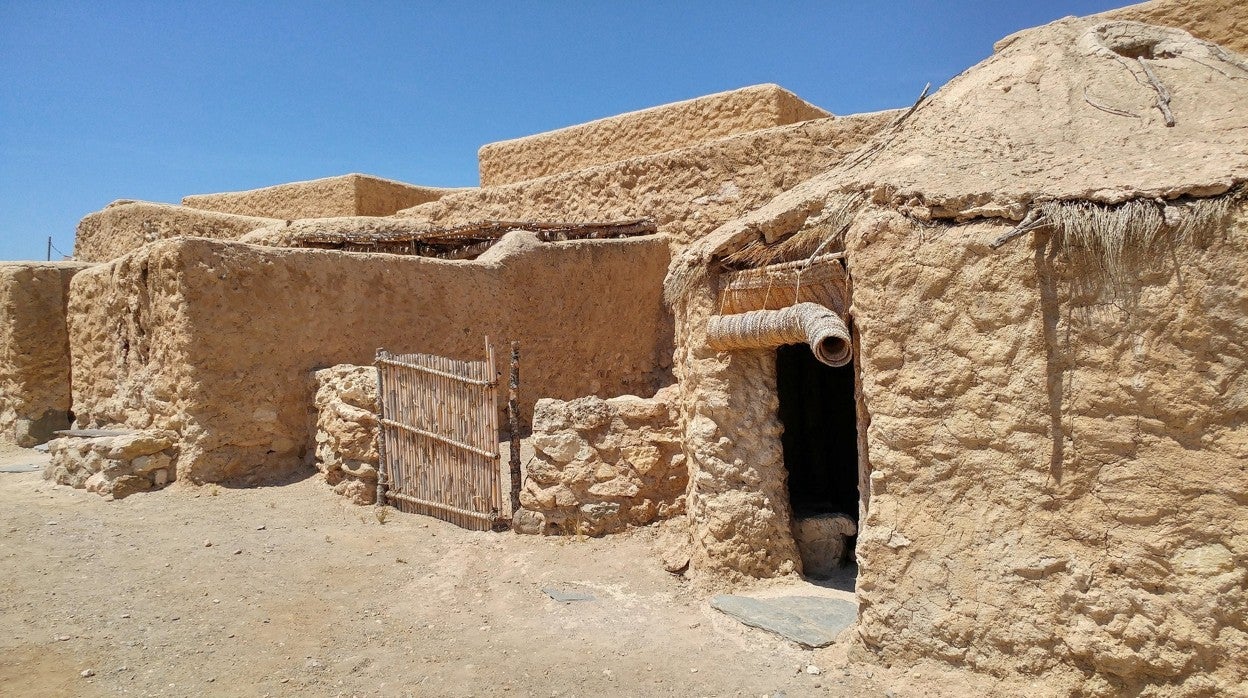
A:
(438, 443)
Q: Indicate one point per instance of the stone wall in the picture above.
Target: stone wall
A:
(644, 132)
(600, 466)
(346, 195)
(216, 341)
(124, 226)
(34, 350)
(113, 463)
(687, 192)
(740, 520)
(346, 430)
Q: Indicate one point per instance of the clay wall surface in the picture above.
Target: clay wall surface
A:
(124, 226)
(34, 350)
(740, 520)
(644, 132)
(600, 466)
(217, 341)
(1059, 467)
(347, 195)
(687, 192)
(1224, 22)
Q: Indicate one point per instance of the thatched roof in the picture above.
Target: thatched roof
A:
(1076, 110)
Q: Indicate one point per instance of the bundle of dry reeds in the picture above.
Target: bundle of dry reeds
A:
(1118, 238)
(808, 323)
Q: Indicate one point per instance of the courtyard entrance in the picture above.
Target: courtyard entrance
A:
(439, 438)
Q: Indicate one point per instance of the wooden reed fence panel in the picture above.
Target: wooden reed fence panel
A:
(439, 437)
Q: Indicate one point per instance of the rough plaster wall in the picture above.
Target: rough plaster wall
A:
(128, 327)
(34, 350)
(347, 195)
(737, 505)
(1224, 22)
(124, 226)
(687, 192)
(1059, 472)
(644, 132)
(240, 328)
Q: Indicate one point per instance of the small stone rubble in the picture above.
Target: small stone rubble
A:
(116, 463)
(346, 430)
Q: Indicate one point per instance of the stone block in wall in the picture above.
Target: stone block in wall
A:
(346, 430)
(113, 463)
(600, 466)
(34, 350)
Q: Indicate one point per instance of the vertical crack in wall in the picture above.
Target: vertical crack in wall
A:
(1055, 359)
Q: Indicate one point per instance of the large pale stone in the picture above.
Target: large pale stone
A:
(131, 446)
(562, 447)
(619, 487)
(149, 463)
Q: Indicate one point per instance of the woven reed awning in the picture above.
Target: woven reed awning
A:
(789, 303)
(468, 241)
(819, 280)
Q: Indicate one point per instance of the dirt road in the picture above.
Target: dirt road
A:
(289, 590)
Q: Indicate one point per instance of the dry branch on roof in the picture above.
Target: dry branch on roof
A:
(818, 235)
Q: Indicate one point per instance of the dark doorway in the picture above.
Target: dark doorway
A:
(819, 415)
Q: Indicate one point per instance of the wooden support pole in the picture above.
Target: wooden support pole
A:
(513, 417)
(381, 427)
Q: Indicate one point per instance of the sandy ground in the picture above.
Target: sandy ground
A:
(290, 590)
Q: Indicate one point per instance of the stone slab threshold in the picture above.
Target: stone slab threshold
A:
(810, 621)
(567, 595)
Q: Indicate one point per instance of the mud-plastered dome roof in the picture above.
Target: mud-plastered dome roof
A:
(1073, 110)
(1083, 110)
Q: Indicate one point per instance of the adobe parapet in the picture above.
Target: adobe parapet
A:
(644, 132)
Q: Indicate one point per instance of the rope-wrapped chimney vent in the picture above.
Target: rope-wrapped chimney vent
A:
(810, 323)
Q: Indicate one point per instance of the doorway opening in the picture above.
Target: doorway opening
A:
(819, 413)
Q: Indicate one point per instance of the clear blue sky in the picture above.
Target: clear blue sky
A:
(108, 100)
